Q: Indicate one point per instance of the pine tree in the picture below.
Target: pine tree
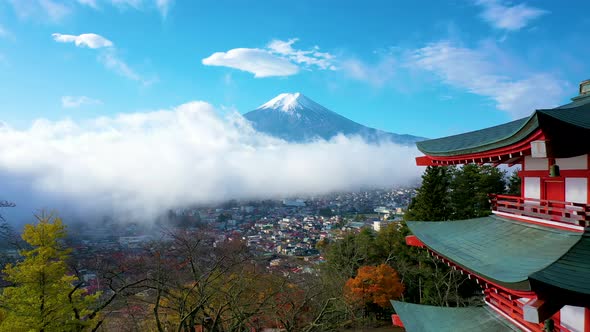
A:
(354, 250)
(432, 201)
(446, 193)
(470, 187)
(43, 296)
(514, 183)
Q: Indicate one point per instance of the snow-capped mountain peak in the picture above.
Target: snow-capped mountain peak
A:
(290, 102)
(296, 118)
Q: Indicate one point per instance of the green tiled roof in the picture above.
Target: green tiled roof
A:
(576, 114)
(571, 271)
(503, 251)
(479, 140)
(424, 318)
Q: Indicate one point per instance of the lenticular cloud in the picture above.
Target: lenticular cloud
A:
(138, 165)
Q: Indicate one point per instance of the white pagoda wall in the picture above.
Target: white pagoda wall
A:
(536, 164)
(579, 162)
(576, 190)
(572, 318)
(576, 183)
(532, 187)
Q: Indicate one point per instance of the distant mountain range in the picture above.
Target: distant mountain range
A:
(296, 118)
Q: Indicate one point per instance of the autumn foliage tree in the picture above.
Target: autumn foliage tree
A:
(374, 285)
(43, 296)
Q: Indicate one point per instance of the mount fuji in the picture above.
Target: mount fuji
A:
(296, 118)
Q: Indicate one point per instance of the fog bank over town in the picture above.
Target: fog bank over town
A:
(138, 165)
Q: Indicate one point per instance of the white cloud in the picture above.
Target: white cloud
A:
(112, 62)
(478, 73)
(53, 10)
(508, 17)
(259, 62)
(90, 40)
(77, 101)
(164, 6)
(128, 3)
(310, 58)
(138, 165)
(89, 3)
(108, 57)
(375, 74)
(278, 59)
(4, 32)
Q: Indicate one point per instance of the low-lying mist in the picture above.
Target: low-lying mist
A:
(136, 166)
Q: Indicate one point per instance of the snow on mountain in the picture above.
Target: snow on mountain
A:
(294, 117)
(290, 102)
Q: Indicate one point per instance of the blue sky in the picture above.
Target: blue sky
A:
(129, 106)
(429, 68)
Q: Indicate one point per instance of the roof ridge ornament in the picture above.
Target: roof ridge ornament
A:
(584, 91)
(584, 87)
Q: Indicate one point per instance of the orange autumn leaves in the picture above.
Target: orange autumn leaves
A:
(374, 284)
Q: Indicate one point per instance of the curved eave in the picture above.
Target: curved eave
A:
(565, 128)
(501, 251)
(424, 318)
(560, 126)
(572, 271)
(478, 141)
(507, 154)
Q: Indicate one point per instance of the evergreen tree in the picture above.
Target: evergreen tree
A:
(463, 197)
(446, 193)
(514, 182)
(432, 200)
(353, 251)
(470, 186)
(6, 231)
(326, 212)
(43, 296)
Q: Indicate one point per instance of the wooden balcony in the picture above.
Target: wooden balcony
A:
(513, 309)
(577, 214)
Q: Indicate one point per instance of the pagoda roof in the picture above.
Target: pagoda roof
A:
(573, 117)
(511, 253)
(422, 318)
(571, 271)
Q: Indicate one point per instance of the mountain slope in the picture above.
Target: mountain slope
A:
(296, 118)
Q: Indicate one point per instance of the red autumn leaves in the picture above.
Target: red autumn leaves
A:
(374, 284)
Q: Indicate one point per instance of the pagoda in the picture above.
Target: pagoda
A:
(531, 256)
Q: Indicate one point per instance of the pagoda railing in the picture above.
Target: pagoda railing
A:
(514, 308)
(563, 212)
